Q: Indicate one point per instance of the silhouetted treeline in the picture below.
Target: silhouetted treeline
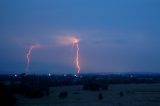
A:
(63, 95)
(61, 80)
(30, 86)
(94, 84)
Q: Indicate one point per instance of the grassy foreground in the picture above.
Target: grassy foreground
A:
(134, 95)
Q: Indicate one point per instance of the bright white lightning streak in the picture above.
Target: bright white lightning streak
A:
(77, 58)
(28, 55)
(75, 43)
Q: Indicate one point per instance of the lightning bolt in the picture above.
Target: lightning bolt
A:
(76, 62)
(68, 40)
(29, 54)
(77, 58)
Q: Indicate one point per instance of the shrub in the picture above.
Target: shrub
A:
(63, 95)
(121, 94)
(95, 86)
(100, 96)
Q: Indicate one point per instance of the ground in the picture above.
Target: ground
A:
(134, 95)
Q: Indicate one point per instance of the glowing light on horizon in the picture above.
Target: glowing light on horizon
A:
(29, 54)
(15, 75)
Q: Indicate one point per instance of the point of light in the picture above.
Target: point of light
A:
(66, 40)
(75, 40)
(75, 75)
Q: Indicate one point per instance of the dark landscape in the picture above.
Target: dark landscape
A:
(83, 89)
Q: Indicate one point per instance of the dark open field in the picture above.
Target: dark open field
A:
(133, 95)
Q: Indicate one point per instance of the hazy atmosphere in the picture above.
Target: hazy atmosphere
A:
(114, 35)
